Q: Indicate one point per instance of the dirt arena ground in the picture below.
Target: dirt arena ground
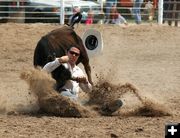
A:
(147, 56)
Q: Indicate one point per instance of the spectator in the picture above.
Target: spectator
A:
(109, 4)
(149, 10)
(116, 17)
(89, 19)
(137, 10)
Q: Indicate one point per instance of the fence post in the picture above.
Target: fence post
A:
(101, 3)
(160, 12)
(62, 12)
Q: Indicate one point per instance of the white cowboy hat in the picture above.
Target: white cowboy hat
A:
(93, 42)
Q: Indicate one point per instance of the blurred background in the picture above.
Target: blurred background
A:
(99, 11)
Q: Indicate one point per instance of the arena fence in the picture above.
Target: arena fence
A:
(25, 11)
(171, 11)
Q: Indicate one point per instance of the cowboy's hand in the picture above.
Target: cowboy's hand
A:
(81, 79)
(63, 59)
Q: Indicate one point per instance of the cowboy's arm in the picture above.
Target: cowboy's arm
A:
(50, 66)
(83, 82)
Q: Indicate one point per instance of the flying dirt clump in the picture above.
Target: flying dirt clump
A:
(149, 107)
(105, 92)
(49, 100)
(102, 93)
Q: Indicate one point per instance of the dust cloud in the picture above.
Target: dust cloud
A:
(49, 100)
(46, 99)
(106, 92)
(17, 98)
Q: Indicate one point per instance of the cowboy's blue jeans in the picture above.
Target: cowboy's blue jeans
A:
(70, 95)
